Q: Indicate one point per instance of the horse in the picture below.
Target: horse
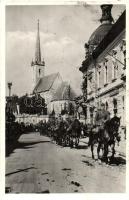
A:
(75, 132)
(105, 137)
(61, 132)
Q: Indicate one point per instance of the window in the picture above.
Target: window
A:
(123, 100)
(39, 72)
(98, 76)
(123, 49)
(115, 105)
(106, 105)
(99, 79)
(114, 65)
(90, 82)
(123, 108)
(105, 73)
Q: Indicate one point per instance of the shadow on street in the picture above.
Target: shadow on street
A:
(20, 170)
(82, 147)
(11, 146)
(117, 161)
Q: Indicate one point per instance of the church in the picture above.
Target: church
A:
(57, 93)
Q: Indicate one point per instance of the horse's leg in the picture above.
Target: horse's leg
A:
(92, 150)
(113, 150)
(105, 152)
(98, 150)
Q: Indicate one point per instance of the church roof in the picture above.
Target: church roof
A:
(64, 92)
(45, 83)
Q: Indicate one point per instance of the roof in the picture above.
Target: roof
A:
(99, 34)
(103, 29)
(45, 83)
(64, 92)
(116, 29)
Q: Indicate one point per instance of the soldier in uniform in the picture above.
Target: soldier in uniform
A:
(102, 116)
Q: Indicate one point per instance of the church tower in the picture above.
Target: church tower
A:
(38, 64)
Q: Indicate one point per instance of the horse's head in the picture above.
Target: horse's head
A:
(115, 124)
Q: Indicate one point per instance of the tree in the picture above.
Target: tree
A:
(32, 105)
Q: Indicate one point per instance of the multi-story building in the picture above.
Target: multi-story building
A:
(104, 75)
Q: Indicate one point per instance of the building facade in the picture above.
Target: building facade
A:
(104, 69)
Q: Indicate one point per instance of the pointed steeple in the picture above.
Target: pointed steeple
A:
(38, 60)
(38, 50)
(38, 64)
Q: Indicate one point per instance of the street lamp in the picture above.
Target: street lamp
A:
(9, 87)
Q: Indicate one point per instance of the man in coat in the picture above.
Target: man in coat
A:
(102, 116)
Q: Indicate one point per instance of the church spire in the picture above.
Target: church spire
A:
(38, 50)
(38, 64)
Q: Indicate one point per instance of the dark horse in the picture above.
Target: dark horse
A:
(105, 138)
(75, 132)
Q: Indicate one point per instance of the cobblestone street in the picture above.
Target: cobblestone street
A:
(38, 165)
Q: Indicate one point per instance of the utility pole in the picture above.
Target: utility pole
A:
(9, 87)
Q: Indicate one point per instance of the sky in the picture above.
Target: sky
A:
(63, 32)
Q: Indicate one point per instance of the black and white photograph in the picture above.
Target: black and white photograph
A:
(65, 98)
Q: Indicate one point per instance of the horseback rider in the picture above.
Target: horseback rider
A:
(100, 122)
(101, 118)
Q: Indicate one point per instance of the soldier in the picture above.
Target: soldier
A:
(102, 116)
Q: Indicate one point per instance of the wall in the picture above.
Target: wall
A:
(28, 119)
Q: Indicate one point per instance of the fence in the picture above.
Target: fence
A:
(31, 119)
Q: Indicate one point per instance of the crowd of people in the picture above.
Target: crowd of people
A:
(68, 130)
(64, 132)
